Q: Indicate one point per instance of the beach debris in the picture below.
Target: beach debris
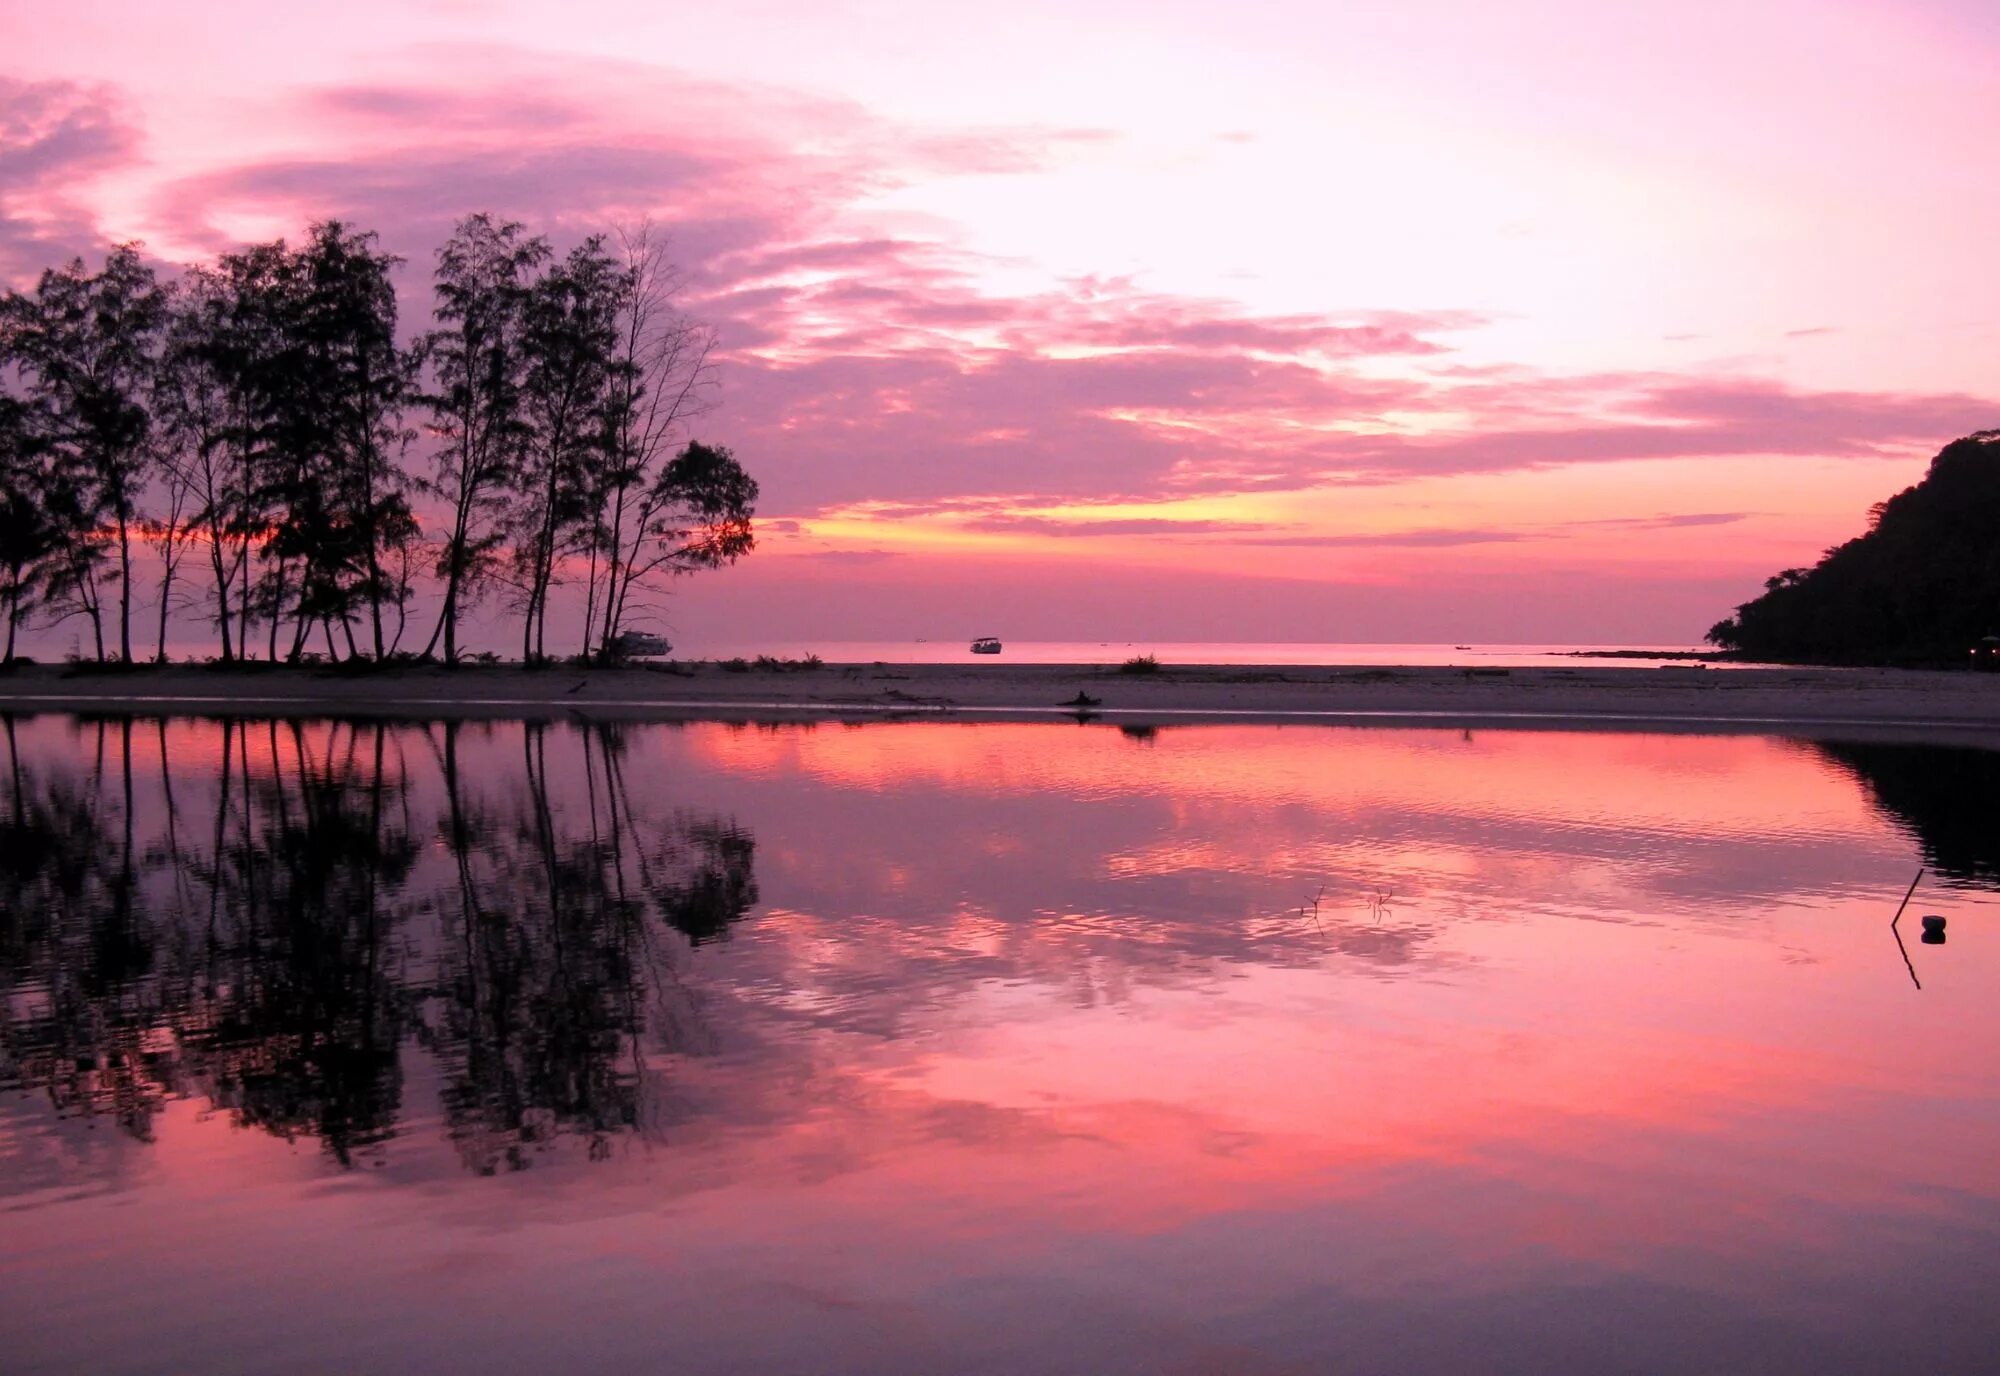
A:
(1933, 930)
(1082, 699)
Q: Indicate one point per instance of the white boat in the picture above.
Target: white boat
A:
(639, 645)
(986, 645)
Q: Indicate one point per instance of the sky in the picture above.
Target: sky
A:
(1422, 321)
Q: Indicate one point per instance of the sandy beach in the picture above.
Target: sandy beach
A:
(1690, 697)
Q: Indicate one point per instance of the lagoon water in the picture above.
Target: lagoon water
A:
(1186, 652)
(927, 1047)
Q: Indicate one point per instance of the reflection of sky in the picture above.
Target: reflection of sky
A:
(1030, 1060)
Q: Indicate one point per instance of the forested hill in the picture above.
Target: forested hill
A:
(1922, 585)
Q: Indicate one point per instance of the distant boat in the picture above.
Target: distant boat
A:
(639, 645)
(986, 645)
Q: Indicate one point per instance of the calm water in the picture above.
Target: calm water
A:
(987, 1048)
(1167, 651)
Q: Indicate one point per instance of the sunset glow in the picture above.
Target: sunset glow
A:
(1383, 322)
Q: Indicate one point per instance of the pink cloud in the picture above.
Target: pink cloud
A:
(55, 137)
(871, 357)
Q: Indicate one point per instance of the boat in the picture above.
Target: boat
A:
(639, 645)
(986, 645)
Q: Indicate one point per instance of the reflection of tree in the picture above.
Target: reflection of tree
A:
(303, 1031)
(277, 954)
(1947, 795)
(554, 962)
(76, 1009)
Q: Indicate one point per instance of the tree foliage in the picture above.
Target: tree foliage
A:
(255, 413)
(1922, 584)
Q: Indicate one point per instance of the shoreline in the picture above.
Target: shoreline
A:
(1770, 700)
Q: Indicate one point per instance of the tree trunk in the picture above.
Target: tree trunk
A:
(124, 588)
(94, 605)
(590, 589)
(221, 571)
(455, 568)
(166, 598)
(277, 608)
(611, 570)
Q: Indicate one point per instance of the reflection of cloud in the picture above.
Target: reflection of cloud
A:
(1024, 1013)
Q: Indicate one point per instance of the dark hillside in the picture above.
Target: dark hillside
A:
(1921, 586)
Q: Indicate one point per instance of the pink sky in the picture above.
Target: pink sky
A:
(1421, 321)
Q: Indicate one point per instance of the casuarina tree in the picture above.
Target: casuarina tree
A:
(476, 367)
(85, 345)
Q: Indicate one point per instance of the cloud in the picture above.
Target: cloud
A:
(1663, 522)
(1665, 417)
(852, 556)
(1135, 525)
(868, 357)
(55, 138)
(1394, 539)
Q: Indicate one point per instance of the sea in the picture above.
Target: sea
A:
(182, 649)
(900, 1048)
(1192, 652)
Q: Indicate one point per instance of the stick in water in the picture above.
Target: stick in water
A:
(1899, 936)
(1906, 897)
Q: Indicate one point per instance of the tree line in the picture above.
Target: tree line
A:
(297, 468)
(1920, 586)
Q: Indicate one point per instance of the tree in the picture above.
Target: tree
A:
(695, 514)
(28, 537)
(223, 386)
(476, 364)
(570, 336)
(171, 533)
(335, 387)
(1921, 585)
(663, 378)
(86, 345)
(203, 407)
(253, 416)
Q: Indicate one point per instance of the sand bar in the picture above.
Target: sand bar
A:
(1751, 699)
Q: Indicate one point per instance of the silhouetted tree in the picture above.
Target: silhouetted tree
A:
(477, 362)
(206, 405)
(86, 345)
(28, 536)
(337, 400)
(694, 514)
(569, 342)
(1922, 584)
(253, 415)
(662, 380)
